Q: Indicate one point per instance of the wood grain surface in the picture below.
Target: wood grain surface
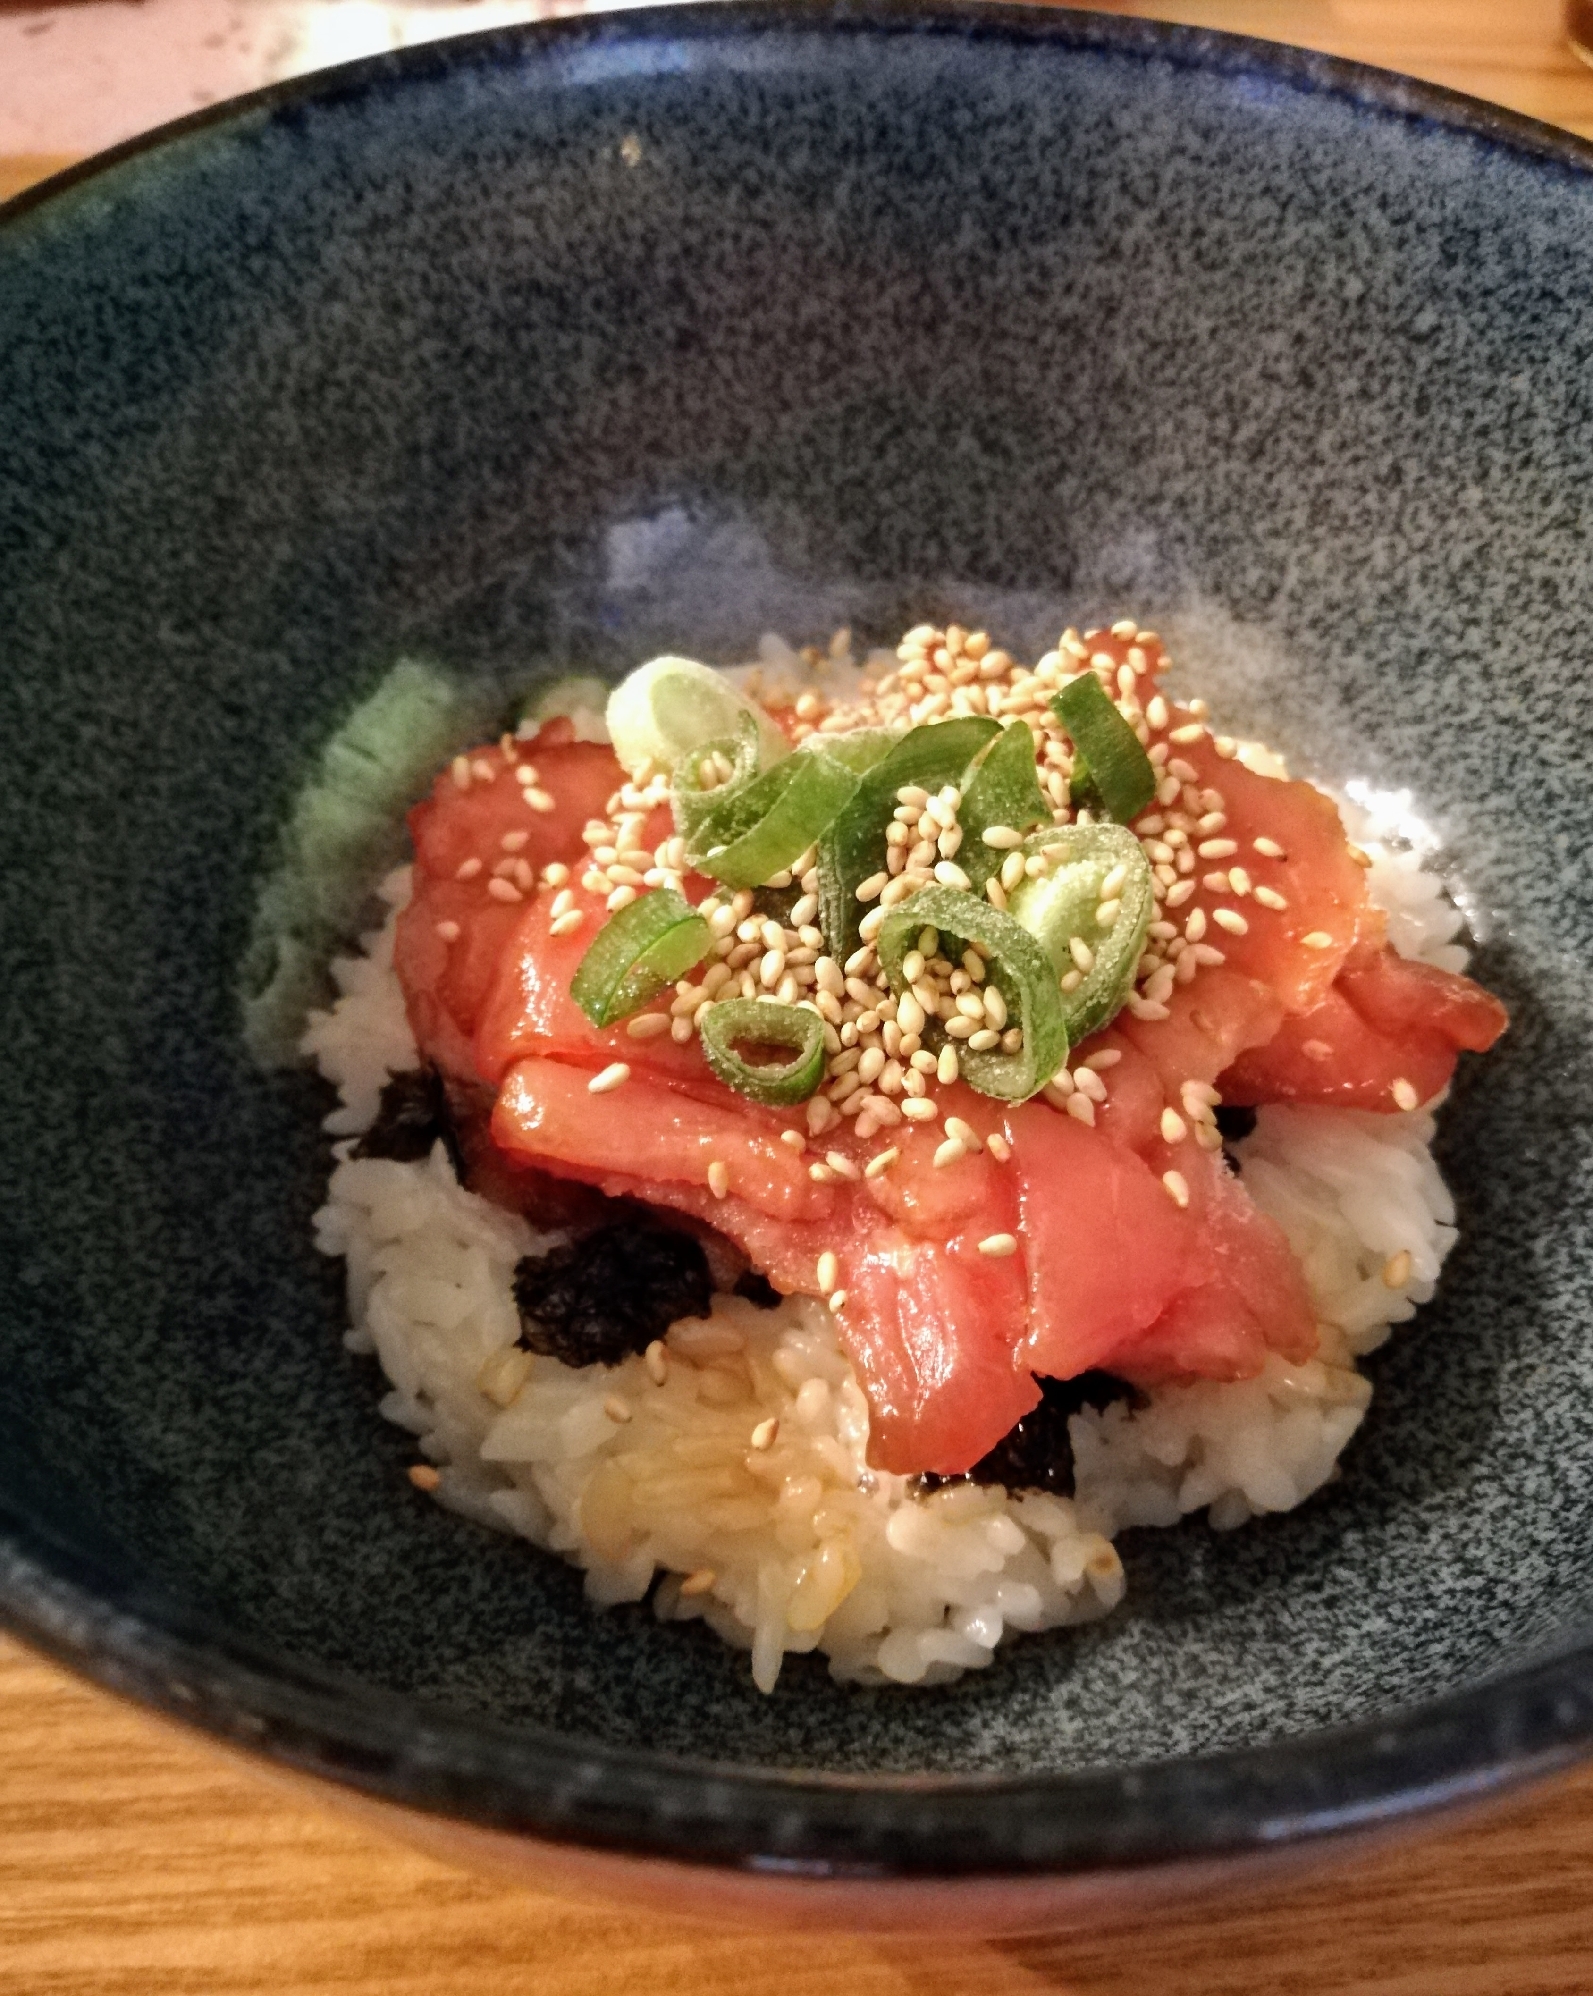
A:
(135, 1862)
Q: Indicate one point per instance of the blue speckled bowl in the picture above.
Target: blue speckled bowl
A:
(559, 346)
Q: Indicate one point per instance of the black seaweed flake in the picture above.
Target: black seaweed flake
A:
(611, 1293)
(1036, 1453)
(414, 1116)
(759, 1290)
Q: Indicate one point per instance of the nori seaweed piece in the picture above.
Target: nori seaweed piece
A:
(599, 1299)
(413, 1115)
(1235, 1123)
(1036, 1453)
(759, 1289)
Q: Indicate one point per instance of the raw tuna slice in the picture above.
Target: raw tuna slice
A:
(454, 933)
(1386, 1021)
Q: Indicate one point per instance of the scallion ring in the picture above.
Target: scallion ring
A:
(1089, 870)
(637, 953)
(1004, 789)
(760, 827)
(1109, 766)
(761, 1023)
(1017, 965)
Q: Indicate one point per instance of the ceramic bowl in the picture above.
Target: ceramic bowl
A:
(557, 347)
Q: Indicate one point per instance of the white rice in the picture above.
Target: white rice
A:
(800, 1545)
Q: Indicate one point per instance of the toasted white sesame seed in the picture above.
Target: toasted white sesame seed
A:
(1269, 897)
(1238, 880)
(1396, 1270)
(951, 1151)
(873, 887)
(920, 1109)
(1001, 837)
(648, 1025)
(504, 890)
(539, 800)
(1177, 1187)
(718, 1178)
(964, 1133)
(656, 1360)
(615, 1075)
(765, 1433)
(1191, 731)
(1088, 1082)
(1081, 1108)
(699, 1582)
(881, 1163)
(841, 1164)
(821, 1174)
(950, 874)
(997, 1245)
(1404, 1094)
(1081, 954)
(998, 1147)
(468, 869)
(828, 1272)
(1217, 848)
(1231, 920)
(449, 931)
(1269, 848)
(1174, 1128)
(1317, 939)
(617, 1409)
(421, 1474)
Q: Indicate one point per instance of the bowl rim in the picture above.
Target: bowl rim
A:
(1515, 1726)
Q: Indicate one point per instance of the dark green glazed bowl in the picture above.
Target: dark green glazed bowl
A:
(558, 347)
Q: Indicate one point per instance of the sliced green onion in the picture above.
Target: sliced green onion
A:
(663, 710)
(1109, 766)
(762, 826)
(638, 953)
(1003, 790)
(1061, 908)
(758, 1022)
(858, 749)
(1018, 966)
(932, 755)
(694, 800)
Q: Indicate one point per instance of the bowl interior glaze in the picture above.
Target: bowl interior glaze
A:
(552, 349)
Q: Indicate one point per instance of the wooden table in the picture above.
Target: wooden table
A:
(136, 1863)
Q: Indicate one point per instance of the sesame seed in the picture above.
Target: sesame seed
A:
(764, 1434)
(563, 902)
(617, 1409)
(842, 1165)
(1081, 954)
(837, 1301)
(449, 931)
(459, 769)
(881, 1163)
(622, 897)
(1317, 939)
(656, 1360)
(963, 1132)
(504, 890)
(1088, 1082)
(539, 800)
(1177, 1187)
(468, 869)
(920, 1109)
(950, 874)
(1226, 747)
(698, 1583)
(1001, 837)
(1081, 1108)
(998, 1147)
(514, 841)
(950, 1152)
(567, 924)
(1217, 848)
(1269, 848)
(1238, 880)
(873, 887)
(828, 1272)
(611, 1077)
(648, 1025)
(1396, 1270)
(1174, 1128)
(997, 1245)
(1269, 897)
(1404, 1094)
(421, 1474)
(821, 1174)
(1231, 920)
(1190, 732)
